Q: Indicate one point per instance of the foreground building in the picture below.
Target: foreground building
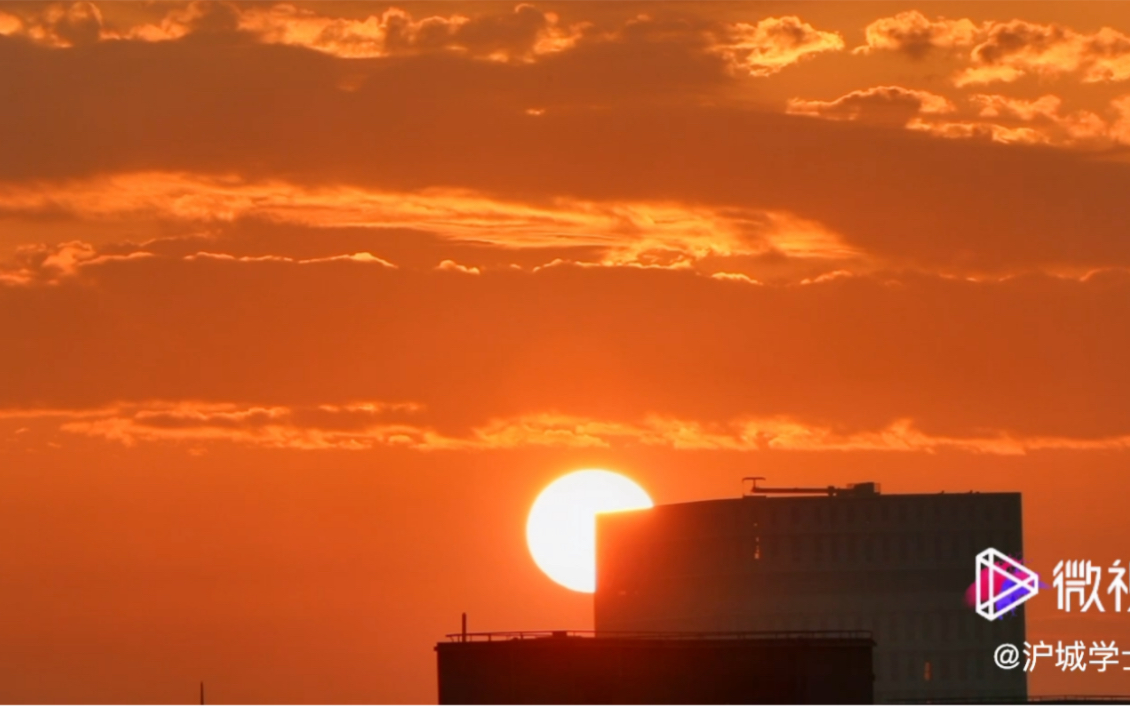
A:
(897, 566)
(573, 668)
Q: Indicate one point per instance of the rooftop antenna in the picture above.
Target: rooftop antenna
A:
(753, 484)
(201, 693)
(831, 490)
(464, 627)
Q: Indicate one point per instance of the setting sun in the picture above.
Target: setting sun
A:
(561, 530)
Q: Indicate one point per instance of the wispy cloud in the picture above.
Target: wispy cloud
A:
(628, 232)
(882, 104)
(367, 425)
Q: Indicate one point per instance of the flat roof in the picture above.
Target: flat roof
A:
(846, 497)
(637, 635)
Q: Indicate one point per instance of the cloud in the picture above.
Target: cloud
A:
(355, 426)
(981, 130)
(523, 34)
(774, 43)
(1034, 122)
(882, 104)
(828, 277)
(365, 426)
(452, 266)
(1006, 51)
(734, 277)
(912, 33)
(52, 264)
(362, 257)
(1013, 49)
(649, 233)
(994, 105)
(58, 25)
(196, 17)
(760, 49)
(1074, 128)
(1002, 119)
(67, 257)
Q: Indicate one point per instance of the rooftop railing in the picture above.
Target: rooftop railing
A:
(642, 635)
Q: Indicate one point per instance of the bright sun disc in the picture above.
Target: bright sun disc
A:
(561, 530)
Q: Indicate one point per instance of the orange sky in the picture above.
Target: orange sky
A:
(302, 304)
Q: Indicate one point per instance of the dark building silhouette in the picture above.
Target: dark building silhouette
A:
(897, 566)
(571, 668)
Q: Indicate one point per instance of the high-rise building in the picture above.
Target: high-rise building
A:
(686, 668)
(850, 558)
